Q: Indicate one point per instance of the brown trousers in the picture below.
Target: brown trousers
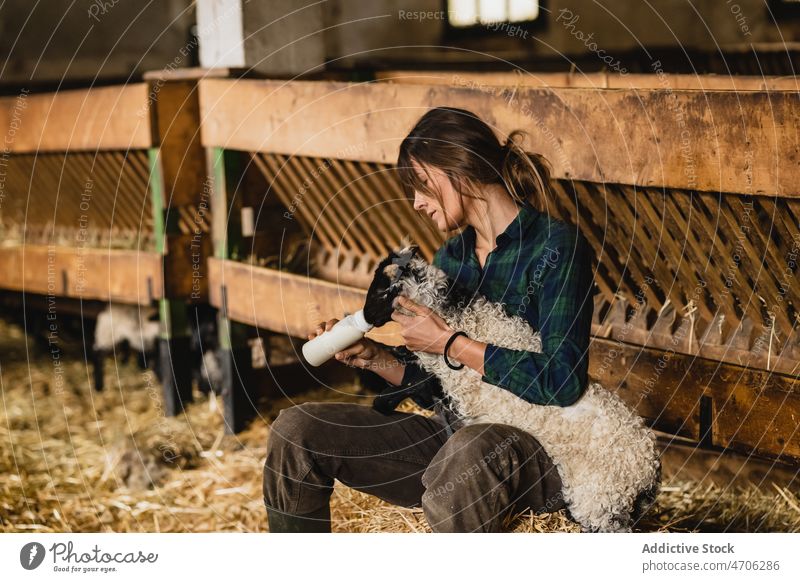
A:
(465, 483)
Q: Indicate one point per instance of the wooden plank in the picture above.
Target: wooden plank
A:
(87, 273)
(176, 120)
(683, 461)
(667, 138)
(753, 411)
(193, 73)
(102, 118)
(284, 302)
(604, 80)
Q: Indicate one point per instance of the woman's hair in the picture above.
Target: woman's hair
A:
(466, 149)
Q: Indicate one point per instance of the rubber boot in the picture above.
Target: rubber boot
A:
(316, 522)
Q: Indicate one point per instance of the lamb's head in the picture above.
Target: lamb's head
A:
(387, 284)
(403, 272)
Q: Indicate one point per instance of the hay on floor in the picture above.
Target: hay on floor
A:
(74, 460)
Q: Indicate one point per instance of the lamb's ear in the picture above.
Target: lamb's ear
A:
(406, 241)
(403, 256)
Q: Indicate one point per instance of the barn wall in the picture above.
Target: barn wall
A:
(359, 27)
(293, 38)
(84, 41)
(110, 40)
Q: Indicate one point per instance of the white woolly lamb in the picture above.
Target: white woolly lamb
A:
(605, 454)
(131, 323)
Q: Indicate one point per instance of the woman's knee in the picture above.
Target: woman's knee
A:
(471, 483)
(296, 425)
(468, 452)
(481, 441)
(466, 487)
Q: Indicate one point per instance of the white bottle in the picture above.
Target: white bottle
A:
(342, 335)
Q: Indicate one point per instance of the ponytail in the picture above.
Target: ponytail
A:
(463, 146)
(525, 175)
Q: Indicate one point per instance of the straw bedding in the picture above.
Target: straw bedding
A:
(72, 460)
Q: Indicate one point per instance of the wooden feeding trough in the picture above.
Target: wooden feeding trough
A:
(103, 200)
(687, 191)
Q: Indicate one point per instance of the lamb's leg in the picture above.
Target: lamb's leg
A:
(98, 360)
(124, 352)
(141, 360)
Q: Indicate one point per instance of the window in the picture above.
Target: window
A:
(466, 13)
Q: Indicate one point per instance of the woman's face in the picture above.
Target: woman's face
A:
(449, 217)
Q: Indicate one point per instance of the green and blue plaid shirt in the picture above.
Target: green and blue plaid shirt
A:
(540, 270)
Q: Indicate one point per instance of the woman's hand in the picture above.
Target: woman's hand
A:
(365, 354)
(322, 327)
(424, 331)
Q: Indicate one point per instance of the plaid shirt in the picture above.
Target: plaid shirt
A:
(540, 270)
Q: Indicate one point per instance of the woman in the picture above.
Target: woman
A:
(465, 477)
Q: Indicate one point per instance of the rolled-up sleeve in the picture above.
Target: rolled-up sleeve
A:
(563, 313)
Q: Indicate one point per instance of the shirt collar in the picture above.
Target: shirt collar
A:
(516, 229)
(521, 223)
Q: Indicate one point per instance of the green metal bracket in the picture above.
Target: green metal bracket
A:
(227, 219)
(227, 233)
(157, 198)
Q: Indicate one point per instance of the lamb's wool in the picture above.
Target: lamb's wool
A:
(605, 454)
(131, 323)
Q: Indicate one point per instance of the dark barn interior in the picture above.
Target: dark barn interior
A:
(188, 187)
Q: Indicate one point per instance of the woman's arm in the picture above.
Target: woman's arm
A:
(414, 382)
(400, 371)
(370, 355)
(425, 331)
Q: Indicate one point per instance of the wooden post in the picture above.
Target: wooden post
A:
(174, 357)
(235, 353)
(178, 172)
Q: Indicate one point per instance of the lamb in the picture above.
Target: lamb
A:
(605, 454)
(119, 324)
(138, 328)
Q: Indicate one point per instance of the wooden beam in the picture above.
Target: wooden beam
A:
(102, 118)
(236, 361)
(185, 263)
(682, 460)
(284, 302)
(87, 273)
(176, 121)
(605, 80)
(723, 405)
(712, 141)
